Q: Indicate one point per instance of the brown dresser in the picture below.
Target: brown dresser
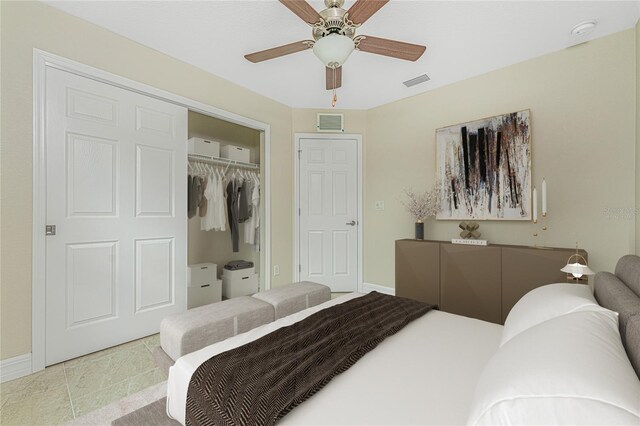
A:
(481, 282)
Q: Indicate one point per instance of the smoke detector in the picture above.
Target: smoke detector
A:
(584, 28)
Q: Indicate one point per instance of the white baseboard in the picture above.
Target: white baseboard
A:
(368, 287)
(16, 367)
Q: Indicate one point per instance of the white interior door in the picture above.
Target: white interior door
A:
(328, 208)
(116, 192)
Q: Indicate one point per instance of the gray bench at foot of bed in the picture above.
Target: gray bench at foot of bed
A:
(194, 329)
(295, 297)
(197, 328)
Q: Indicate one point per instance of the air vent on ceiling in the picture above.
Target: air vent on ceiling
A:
(330, 122)
(417, 80)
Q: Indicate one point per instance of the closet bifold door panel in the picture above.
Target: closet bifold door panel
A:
(418, 270)
(116, 191)
(470, 281)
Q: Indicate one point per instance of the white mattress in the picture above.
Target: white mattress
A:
(424, 374)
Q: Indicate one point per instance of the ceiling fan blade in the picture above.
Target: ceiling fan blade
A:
(276, 52)
(392, 48)
(303, 9)
(330, 78)
(364, 9)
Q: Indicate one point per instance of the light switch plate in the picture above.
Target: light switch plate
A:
(276, 270)
(379, 205)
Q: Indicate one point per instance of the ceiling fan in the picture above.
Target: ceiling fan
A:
(334, 37)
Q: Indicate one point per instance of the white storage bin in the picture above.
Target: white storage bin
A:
(201, 273)
(237, 153)
(245, 284)
(202, 146)
(238, 272)
(204, 294)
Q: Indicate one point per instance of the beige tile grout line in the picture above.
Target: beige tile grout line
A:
(147, 346)
(66, 380)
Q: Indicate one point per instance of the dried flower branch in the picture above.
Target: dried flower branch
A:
(421, 205)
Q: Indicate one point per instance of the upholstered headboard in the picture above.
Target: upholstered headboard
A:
(621, 293)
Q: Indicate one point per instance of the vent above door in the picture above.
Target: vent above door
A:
(330, 122)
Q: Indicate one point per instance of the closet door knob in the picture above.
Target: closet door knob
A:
(352, 223)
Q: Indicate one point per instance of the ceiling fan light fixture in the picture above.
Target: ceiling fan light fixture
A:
(333, 50)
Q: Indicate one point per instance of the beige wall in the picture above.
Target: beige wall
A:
(582, 103)
(305, 120)
(638, 138)
(27, 25)
(213, 246)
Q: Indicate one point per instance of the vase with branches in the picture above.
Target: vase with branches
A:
(421, 205)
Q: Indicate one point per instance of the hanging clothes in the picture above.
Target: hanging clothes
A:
(251, 225)
(225, 201)
(233, 206)
(216, 198)
(207, 221)
(243, 202)
(204, 202)
(255, 200)
(189, 196)
(223, 213)
(196, 194)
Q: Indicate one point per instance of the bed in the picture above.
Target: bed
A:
(559, 359)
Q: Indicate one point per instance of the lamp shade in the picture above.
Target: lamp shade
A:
(333, 50)
(577, 269)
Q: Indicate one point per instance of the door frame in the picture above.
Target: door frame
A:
(43, 60)
(296, 204)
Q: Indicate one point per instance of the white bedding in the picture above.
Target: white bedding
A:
(424, 374)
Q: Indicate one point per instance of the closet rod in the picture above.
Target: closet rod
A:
(222, 161)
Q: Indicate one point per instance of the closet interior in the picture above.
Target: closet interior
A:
(225, 210)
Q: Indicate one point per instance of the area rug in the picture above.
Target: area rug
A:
(129, 404)
(152, 414)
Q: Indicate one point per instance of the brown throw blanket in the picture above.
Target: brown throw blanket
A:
(260, 382)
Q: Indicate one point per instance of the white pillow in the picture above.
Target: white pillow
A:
(547, 302)
(572, 369)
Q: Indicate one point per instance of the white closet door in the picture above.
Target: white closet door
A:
(328, 196)
(116, 192)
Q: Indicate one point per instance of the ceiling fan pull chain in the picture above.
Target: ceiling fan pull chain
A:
(335, 97)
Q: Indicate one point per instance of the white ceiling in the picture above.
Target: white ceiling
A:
(463, 39)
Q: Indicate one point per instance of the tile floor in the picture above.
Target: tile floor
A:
(76, 387)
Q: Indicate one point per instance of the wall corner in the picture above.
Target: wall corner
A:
(637, 183)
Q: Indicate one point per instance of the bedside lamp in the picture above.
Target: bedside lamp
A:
(576, 269)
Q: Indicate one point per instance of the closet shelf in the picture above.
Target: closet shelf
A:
(222, 161)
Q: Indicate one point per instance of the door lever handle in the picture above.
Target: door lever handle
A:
(352, 223)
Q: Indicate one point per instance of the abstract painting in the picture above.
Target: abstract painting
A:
(484, 169)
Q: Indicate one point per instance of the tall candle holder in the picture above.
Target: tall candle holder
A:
(543, 227)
